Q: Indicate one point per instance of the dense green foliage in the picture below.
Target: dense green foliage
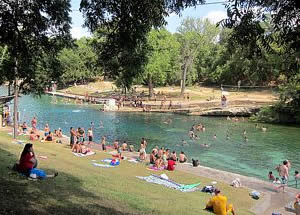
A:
(32, 32)
(126, 24)
(79, 63)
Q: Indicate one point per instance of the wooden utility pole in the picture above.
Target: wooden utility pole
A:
(16, 92)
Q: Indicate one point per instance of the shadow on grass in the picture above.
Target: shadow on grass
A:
(62, 195)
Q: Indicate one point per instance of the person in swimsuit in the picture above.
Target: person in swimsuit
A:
(34, 123)
(182, 157)
(90, 135)
(24, 127)
(124, 146)
(46, 130)
(103, 143)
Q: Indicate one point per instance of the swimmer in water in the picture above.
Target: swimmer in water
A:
(227, 137)
(101, 124)
(244, 133)
(215, 136)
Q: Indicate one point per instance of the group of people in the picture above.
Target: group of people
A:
(34, 133)
(162, 158)
(283, 172)
(77, 140)
(194, 128)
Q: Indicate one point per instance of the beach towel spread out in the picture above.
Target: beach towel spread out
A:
(169, 183)
(133, 161)
(107, 160)
(103, 165)
(84, 155)
(20, 142)
(153, 168)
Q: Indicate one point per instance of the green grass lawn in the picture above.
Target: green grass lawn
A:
(81, 188)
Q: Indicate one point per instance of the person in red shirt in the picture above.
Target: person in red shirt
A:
(27, 160)
(171, 165)
(28, 164)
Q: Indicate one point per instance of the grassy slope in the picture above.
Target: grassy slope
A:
(82, 188)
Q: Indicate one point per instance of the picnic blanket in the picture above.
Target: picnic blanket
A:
(133, 161)
(20, 142)
(84, 155)
(102, 165)
(153, 168)
(169, 183)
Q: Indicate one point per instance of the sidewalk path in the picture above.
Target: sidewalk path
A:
(272, 201)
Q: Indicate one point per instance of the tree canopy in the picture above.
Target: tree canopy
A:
(127, 23)
(30, 30)
(245, 17)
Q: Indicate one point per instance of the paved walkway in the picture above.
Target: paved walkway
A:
(272, 201)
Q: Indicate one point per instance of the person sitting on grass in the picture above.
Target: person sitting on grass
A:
(24, 127)
(171, 165)
(76, 147)
(124, 146)
(28, 163)
(218, 204)
(182, 157)
(34, 135)
(174, 156)
(153, 156)
(49, 137)
(158, 163)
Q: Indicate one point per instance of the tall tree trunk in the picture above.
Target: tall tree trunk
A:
(183, 78)
(16, 93)
(150, 85)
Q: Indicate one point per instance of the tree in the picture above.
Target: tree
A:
(163, 54)
(30, 30)
(245, 16)
(79, 63)
(127, 23)
(194, 34)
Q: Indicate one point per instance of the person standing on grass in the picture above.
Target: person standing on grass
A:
(103, 143)
(81, 134)
(34, 123)
(72, 136)
(90, 135)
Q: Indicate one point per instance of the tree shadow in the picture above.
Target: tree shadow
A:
(61, 195)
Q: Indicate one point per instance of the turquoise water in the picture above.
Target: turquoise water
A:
(260, 154)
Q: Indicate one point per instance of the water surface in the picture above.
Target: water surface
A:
(260, 154)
